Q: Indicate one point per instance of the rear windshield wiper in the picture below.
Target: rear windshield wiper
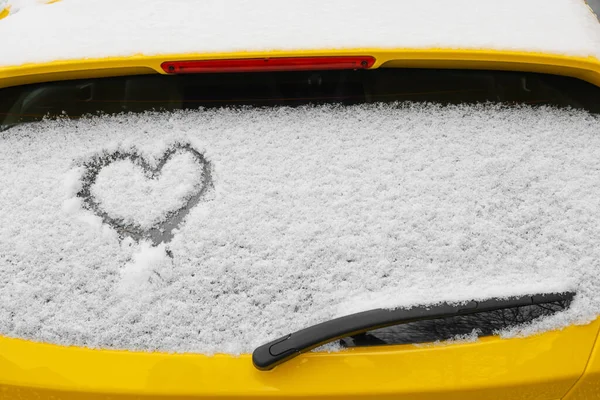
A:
(285, 348)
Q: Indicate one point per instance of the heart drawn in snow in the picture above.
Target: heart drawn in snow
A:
(143, 201)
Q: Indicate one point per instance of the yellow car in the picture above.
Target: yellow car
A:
(196, 195)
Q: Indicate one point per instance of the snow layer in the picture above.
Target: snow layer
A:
(125, 191)
(74, 29)
(314, 212)
(18, 5)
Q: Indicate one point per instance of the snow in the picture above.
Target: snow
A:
(149, 260)
(311, 213)
(122, 189)
(76, 29)
(18, 5)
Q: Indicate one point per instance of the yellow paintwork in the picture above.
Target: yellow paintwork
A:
(543, 367)
(588, 386)
(587, 69)
(4, 12)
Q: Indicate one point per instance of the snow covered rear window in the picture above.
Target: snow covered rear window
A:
(212, 213)
(142, 93)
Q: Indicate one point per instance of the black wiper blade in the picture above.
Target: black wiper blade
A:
(269, 355)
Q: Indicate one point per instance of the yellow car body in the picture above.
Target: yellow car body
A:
(549, 366)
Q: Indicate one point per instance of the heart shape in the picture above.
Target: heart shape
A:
(157, 231)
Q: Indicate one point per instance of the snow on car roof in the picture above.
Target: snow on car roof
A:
(76, 29)
(300, 215)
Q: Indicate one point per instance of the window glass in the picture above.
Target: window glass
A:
(480, 324)
(74, 99)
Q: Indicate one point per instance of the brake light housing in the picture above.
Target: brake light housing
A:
(268, 64)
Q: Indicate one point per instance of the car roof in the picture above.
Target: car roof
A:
(79, 29)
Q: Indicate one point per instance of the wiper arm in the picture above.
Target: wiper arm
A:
(269, 355)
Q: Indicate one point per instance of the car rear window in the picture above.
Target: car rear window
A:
(74, 99)
(318, 192)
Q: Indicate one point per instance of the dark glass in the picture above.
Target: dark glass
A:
(484, 324)
(594, 5)
(76, 98)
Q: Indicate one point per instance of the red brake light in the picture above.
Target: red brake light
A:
(268, 64)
